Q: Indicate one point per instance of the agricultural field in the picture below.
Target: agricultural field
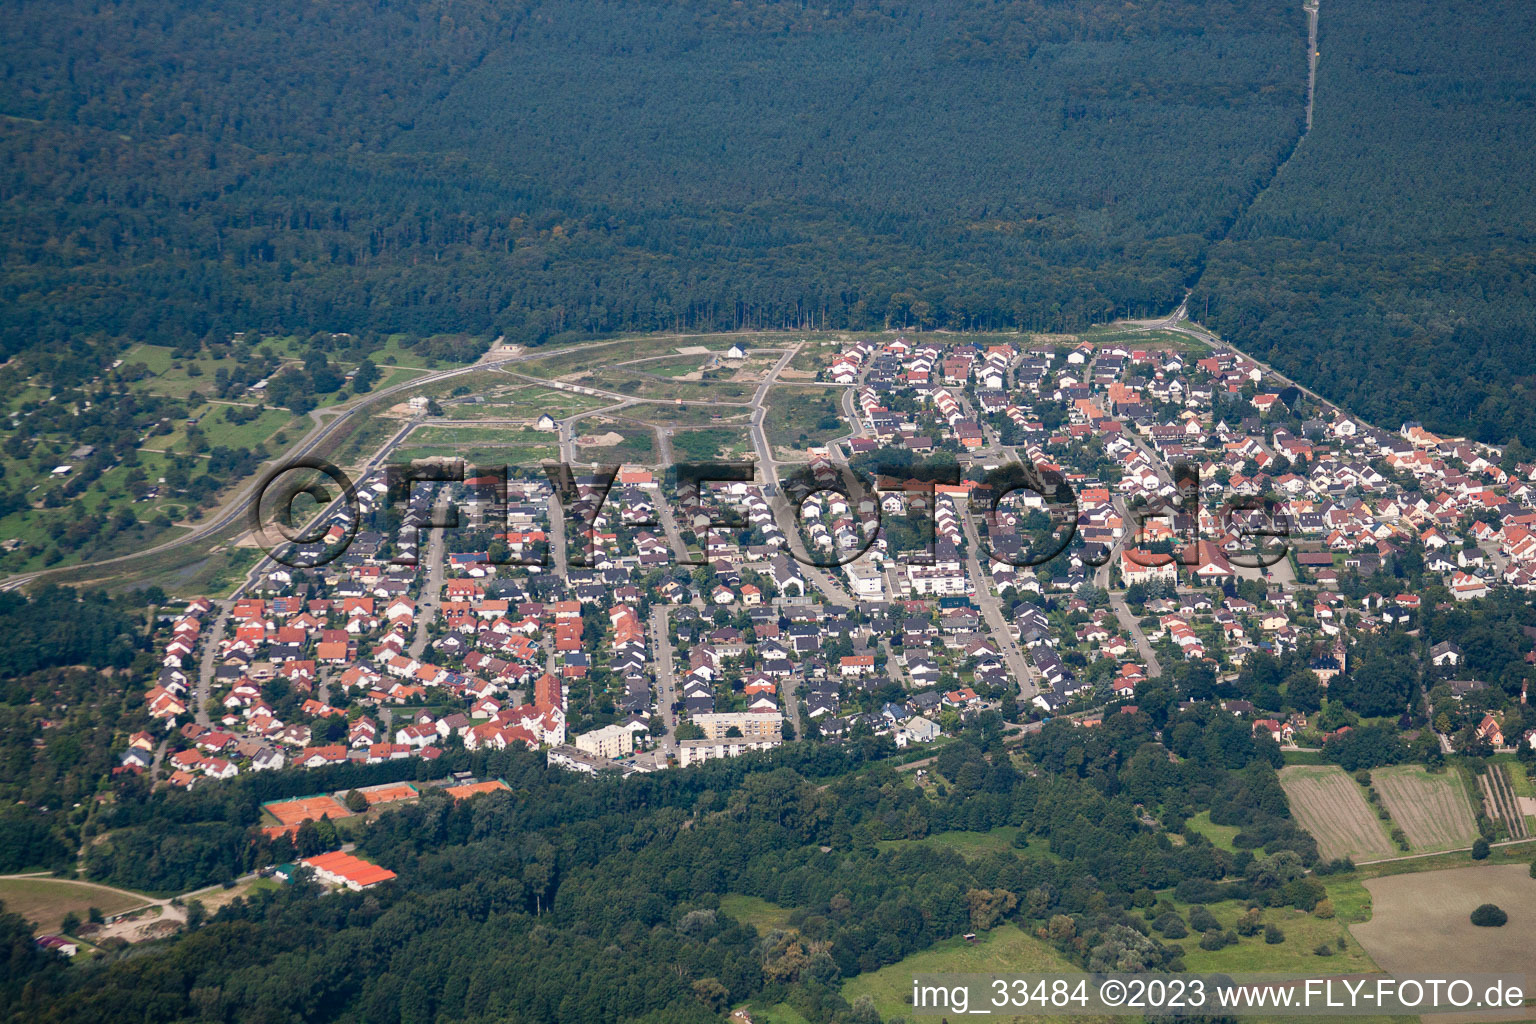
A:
(45, 901)
(1500, 800)
(1431, 809)
(1328, 804)
(1419, 923)
(1523, 787)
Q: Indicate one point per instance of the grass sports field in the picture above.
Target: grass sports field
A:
(1332, 807)
(45, 901)
(1432, 809)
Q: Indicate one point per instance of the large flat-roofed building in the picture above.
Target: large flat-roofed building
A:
(751, 725)
(611, 741)
(338, 868)
(865, 580)
(573, 759)
(697, 751)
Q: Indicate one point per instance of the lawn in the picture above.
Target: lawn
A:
(666, 414)
(218, 431)
(756, 911)
(969, 845)
(176, 377)
(816, 356)
(1006, 949)
(779, 1013)
(215, 898)
(672, 367)
(45, 901)
(487, 455)
(1220, 835)
(360, 438)
(639, 385)
(1145, 339)
(473, 435)
(562, 362)
(1303, 933)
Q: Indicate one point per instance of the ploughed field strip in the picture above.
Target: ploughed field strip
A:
(1328, 804)
(1499, 798)
(1432, 810)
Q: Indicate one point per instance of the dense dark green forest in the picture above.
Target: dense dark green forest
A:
(1399, 245)
(173, 169)
(177, 170)
(582, 900)
(60, 626)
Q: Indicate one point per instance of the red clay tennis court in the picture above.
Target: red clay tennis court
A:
(307, 808)
(389, 793)
(469, 790)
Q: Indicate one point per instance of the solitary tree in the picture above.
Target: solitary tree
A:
(1489, 915)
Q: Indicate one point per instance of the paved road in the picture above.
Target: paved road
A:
(819, 578)
(554, 513)
(209, 662)
(666, 678)
(894, 668)
(992, 612)
(430, 599)
(759, 437)
(1130, 625)
(790, 688)
(670, 527)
